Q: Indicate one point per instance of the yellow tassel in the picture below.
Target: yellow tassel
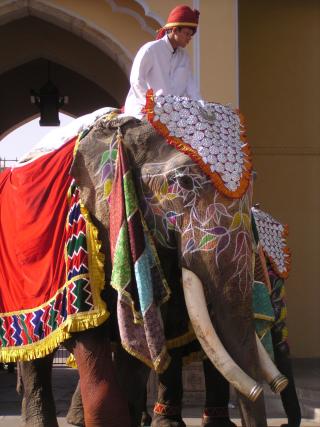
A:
(183, 339)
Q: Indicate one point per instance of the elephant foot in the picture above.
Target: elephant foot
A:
(217, 422)
(167, 416)
(146, 419)
(167, 421)
(75, 419)
(216, 417)
(41, 422)
(297, 424)
(75, 415)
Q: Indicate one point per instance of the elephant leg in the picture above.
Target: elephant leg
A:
(75, 414)
(145, 417)
(19, 389)
(102, 399)
(133, 376)
(252, 412)
(288, 395)
(38, 402)
(216, 412)
(167, 410)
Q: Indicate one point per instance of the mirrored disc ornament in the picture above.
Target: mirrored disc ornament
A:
(187, 103)
(214, 149)
(220, 167)
(190, 130)
(192, 120)
(164, 118)
(206, 142)
(160, 100)
(212, 159)
(231, 185)
(204, 152)
(174, 116)
(184, 113)
(198, 135)
(158, 110)
(201, 126)
(167, 107)
(194, 111)
(178, 132)
(229, 166)
(182, 123)
(226, 177)
(171, 126)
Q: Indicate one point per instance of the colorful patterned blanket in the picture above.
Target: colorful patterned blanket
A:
(51, 271)
(136, 272)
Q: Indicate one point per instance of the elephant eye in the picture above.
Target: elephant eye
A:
(185, 182)
(171, 179)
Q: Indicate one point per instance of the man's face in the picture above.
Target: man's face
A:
(182, 36)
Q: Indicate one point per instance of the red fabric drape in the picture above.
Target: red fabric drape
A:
(33, 208)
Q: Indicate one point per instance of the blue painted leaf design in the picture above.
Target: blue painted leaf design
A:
(190, 245)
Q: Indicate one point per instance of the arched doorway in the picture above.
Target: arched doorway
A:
(80, 70)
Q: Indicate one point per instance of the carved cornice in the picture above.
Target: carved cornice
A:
(140, 19)
(149, 12)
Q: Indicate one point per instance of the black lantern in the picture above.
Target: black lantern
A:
(49, 102)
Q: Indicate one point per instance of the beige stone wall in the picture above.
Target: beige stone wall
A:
(218, 51)
(280, 97)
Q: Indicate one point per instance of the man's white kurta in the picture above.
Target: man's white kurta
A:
(159, 67)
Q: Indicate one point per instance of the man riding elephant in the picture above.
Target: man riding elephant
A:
(163, 65)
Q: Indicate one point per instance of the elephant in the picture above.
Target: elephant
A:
(198, 228)
(272, 268)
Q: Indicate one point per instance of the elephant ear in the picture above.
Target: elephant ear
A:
(93, 166)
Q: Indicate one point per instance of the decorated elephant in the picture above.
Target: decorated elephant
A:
(146, 204)
(273, 263)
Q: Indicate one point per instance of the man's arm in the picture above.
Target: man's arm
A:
(141, 66)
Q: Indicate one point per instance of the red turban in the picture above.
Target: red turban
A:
(180, 16)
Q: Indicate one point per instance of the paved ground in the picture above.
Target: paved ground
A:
(307, 374)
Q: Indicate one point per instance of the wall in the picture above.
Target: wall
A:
(280, 97)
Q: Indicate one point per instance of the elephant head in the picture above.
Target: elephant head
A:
(209, 230)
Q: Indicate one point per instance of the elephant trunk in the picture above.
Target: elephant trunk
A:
(209, 340)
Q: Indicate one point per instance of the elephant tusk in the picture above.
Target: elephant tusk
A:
(209, 340)
(270, 372)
